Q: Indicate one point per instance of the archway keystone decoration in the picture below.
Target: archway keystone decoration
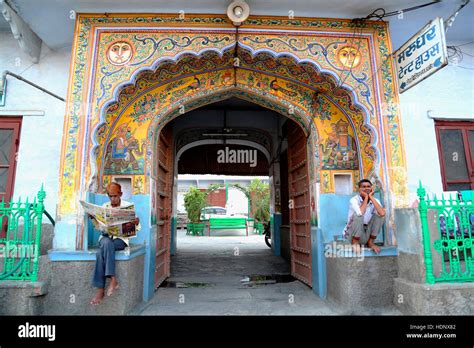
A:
(131, 74)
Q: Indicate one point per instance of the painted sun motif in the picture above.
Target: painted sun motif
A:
(120, 53)
(349, 56)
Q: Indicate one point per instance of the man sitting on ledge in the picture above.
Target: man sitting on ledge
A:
(365, 219)
(105, 262)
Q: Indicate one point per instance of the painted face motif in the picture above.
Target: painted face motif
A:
(120, 53)
(349, 57)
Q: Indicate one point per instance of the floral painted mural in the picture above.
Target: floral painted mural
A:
(145, 69)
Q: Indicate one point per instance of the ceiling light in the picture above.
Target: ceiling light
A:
(238, 11)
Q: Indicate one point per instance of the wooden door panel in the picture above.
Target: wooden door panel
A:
(298, 187)
(9, 143)
(163, 205)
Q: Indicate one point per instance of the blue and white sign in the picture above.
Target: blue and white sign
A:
(422, 55)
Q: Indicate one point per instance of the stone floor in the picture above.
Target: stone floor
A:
(214, 267)
(209, 274)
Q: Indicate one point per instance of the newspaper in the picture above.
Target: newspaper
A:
(113, 221)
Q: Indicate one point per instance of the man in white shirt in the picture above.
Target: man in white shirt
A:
(365, 218)
(105, 261)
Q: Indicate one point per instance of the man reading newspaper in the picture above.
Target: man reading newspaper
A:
(113, 238)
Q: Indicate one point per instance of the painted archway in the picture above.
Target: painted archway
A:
(158, 102)
(300, 68)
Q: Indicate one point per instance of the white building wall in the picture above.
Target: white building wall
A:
(237, 202)
(448, 94)
(40, 140)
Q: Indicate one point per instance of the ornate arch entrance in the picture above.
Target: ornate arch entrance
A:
(132, 74)
(302, 144)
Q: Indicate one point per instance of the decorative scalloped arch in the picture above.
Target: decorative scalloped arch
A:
(261, 97)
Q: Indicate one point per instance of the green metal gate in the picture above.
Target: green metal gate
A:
(448, 233)
(20, 243)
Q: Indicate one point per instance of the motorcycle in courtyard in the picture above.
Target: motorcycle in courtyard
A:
(267, 233)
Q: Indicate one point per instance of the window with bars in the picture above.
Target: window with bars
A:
(456, 153)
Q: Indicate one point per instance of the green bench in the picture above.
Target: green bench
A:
(227, 224)
(195, 229)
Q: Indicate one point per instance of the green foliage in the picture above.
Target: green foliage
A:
(194, 201)
(213, 187)
(238, 186)
(260, 193)
(242, 188)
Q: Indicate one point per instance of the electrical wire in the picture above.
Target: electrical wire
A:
(466, 43)
(449, 22)
(236, 54)
(383, 14)
(456, 55)
(358, 24)
(389, 56)
(467, 54)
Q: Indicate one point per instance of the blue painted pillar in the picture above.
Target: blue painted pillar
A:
(150, 260)
(318, 262)
(275, 223)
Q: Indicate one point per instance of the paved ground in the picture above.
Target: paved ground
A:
(212, 269)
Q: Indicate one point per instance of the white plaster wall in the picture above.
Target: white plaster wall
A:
(448, 94)
(237, 202)
(40, 141)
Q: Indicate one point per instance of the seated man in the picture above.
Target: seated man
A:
(365, 218)
(105, 262)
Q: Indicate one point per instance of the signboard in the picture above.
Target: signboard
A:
(422, 55)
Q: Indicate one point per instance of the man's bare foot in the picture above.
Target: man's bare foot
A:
(356, 248)
(112, 287)
(99, 295)
(372, 246)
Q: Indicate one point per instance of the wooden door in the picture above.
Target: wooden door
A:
(298, 187)
(163, 205)
(9, 142)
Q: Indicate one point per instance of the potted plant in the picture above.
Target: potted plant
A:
(194, 201)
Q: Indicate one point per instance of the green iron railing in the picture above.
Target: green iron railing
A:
(448, 234)
(20, 238)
